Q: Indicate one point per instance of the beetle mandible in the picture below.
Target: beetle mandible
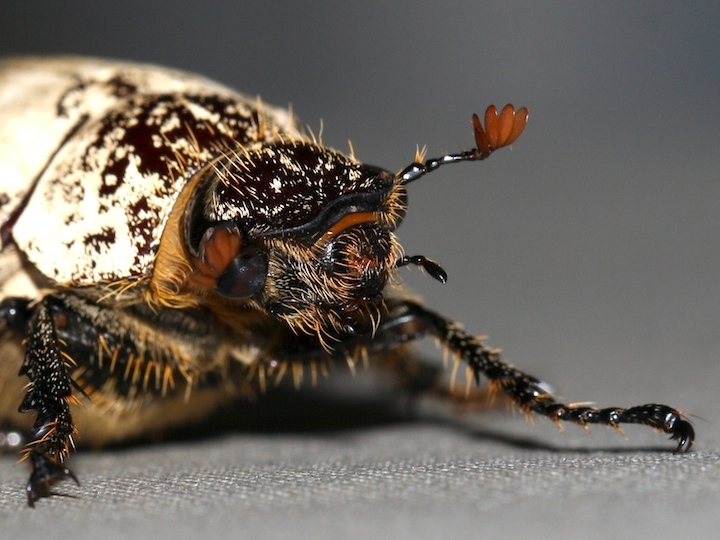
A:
(168, 243)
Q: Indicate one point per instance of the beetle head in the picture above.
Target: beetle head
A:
(307, 234)
(301, 231)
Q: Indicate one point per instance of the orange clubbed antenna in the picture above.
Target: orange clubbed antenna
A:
(500, 130)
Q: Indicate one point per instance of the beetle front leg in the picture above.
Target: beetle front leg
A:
(408, 320)
(49, 393)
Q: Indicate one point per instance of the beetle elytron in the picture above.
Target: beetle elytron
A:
(168, 243)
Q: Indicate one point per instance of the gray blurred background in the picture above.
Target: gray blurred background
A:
(588, 252)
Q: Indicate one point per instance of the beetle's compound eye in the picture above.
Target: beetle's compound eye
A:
(224, 264)
(244, 276)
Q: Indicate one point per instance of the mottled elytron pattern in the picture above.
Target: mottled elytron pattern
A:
(129, 137)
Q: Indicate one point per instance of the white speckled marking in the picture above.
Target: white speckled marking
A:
(110, 144)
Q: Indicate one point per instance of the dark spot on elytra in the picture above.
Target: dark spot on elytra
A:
(105, 237)
(117, 169)
(121, 87)
(141, 226)
(144, 134)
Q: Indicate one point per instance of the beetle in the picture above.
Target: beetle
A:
(168, 244)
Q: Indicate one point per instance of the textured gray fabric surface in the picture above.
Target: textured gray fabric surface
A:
(414, 480)
(589, 252)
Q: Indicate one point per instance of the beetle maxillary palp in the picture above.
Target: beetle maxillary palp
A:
(431, 267)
